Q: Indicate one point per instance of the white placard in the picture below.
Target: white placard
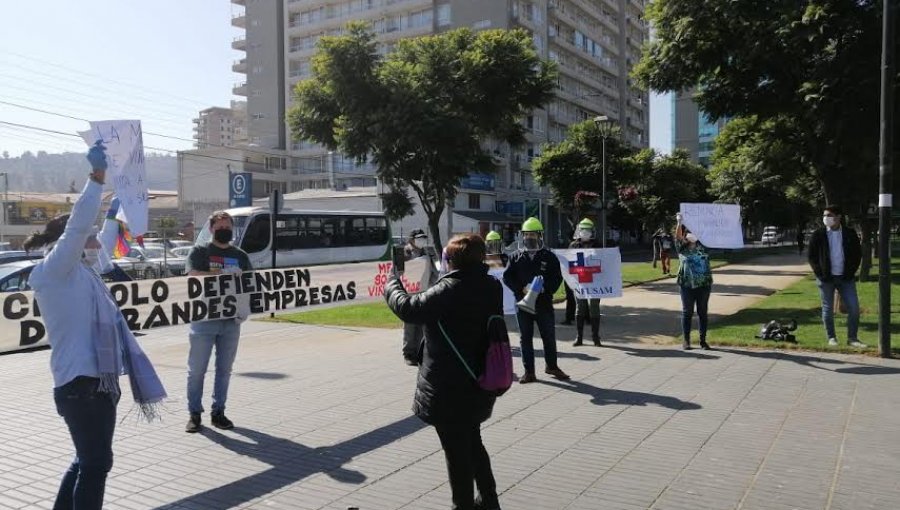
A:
(124, 143)
(716, 225)
(592, 273)
(509, 299)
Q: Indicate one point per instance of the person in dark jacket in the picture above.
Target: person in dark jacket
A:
(584, 238)
(834, 255)
(456, 309)
(533, 259)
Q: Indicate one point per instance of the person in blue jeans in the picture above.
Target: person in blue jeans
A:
(531, 260)
(834, 255)
(694, 283)
(91, 345)
(216, 257)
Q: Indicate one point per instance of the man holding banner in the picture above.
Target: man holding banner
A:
(217, 257)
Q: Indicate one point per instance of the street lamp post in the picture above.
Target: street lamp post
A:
(600, 120)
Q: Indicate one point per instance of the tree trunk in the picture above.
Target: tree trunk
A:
(865, 267)
(434, 227)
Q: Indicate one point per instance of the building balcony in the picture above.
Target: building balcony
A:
(239, 2)
(239, 66)
(239, 20)
(239, 89)
(239, 43)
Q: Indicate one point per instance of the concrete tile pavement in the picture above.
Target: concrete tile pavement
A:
(323, 422)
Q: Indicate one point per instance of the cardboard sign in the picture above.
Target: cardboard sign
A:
(124, 143)
(716, 225)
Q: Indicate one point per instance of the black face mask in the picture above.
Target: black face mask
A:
(223, 236)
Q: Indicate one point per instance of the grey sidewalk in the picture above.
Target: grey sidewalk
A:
(323, 421)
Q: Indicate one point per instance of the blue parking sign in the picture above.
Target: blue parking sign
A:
(240, 190)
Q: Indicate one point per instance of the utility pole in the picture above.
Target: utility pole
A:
(5, 203)
(885, 197)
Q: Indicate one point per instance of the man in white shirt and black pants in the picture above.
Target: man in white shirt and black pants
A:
(834, 255)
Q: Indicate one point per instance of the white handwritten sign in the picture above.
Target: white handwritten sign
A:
(592, 273)
(124, 143)
(716, 225)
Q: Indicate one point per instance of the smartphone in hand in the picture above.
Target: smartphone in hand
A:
(398, 258)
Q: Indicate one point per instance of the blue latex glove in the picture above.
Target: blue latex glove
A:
(97, 156)
(113, 209)
(537, 284)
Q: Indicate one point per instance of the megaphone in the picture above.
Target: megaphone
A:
(527, 304)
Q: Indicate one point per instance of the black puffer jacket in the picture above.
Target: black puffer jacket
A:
(461, 301)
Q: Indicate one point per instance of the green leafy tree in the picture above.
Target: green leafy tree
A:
(815, 64)
(573, 168)
(652, 186)
(421, 113)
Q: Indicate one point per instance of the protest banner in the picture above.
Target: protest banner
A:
(716, 225)
(150, 304)
(592, 273)
(124, 143)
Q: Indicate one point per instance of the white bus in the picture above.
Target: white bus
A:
(304, 238)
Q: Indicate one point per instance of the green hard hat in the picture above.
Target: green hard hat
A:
(586, 223)
(532, 225)
(492, 236)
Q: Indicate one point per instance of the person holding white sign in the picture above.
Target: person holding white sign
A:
(695, 282)
(584, 238)
(217, 257)
(91, 345)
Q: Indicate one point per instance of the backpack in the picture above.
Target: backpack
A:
(497, 377)
(774, 330)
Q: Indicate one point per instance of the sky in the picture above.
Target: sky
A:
(159, 61)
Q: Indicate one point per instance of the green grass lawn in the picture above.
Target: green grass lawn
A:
(377, 315)
(801, 302)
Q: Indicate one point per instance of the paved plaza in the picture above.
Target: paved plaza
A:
(323, 421)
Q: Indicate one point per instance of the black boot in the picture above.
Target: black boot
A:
(579, 330)
(686, 345)
(595, 330)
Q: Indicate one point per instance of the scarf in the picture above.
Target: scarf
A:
(119, 353)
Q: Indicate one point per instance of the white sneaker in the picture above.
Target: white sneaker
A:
(857, 344)
(832, 342)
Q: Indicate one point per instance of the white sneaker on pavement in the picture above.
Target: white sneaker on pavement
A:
(857, 344)
(832, 342)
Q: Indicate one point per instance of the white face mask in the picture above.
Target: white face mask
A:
(92, 257)
(829, 221)
(691, 237)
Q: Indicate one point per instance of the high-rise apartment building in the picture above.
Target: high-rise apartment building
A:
(594, 42)
(221, 127)
(692, 129)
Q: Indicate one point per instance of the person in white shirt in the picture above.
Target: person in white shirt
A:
(835, 255)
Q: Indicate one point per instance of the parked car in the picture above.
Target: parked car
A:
(151, 262)
(182, 251)
(770, 235)
(14, 276)
(16, 255)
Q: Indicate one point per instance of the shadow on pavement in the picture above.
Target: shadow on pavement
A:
(661, 353)
(845, 367)
(612, 396)
(290, 462)
(539, 354)
(263, 375)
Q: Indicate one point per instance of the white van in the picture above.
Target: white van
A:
(770, 235)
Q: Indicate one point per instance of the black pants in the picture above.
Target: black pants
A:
(570, 304)
(91, 418)
(467, 460)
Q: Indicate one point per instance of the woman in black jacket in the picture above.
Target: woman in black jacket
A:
(447, 397)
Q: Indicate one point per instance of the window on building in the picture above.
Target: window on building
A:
(474, 201)
(443, 15)
(479, 25)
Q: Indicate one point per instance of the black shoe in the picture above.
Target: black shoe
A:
(411, 362)
(705, 346)
(686, 345)
(578, 343)
(193, 424)
(221, 422)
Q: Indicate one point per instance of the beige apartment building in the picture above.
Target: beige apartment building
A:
(594, 42)
(220, 127)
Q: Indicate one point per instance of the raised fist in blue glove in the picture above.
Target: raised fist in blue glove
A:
(537, 284)
(113, 209)
(97, 156)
